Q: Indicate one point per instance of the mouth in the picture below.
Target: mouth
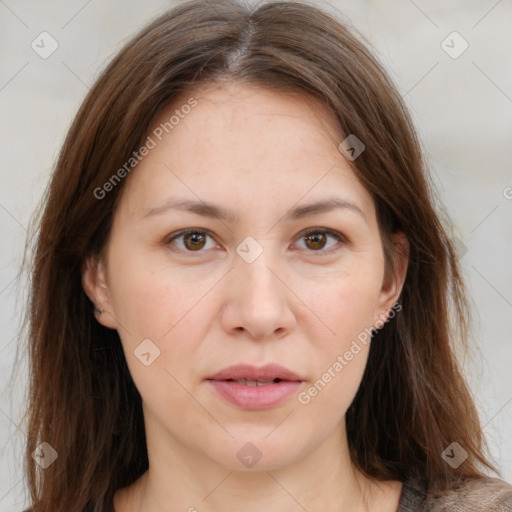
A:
(251, 388)
(247, 382)
(268, 374)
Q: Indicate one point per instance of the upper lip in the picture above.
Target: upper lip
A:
(249, 372)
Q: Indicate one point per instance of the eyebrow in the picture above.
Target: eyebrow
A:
(211, 210)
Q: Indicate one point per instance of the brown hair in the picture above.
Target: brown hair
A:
(413, 401)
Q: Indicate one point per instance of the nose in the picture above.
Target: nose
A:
(258, 300)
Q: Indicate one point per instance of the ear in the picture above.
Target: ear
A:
(94, 283)
(393, 281)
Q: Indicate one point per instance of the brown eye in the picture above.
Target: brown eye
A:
(316, 240)
(192, 240)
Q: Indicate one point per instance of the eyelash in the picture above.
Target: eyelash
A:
(320, 252)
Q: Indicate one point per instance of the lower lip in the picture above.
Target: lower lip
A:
(255, 397)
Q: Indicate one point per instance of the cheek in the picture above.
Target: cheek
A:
(339, 359)
(345, 303)
(160, 341)
(151, 300)
(164, 305)
(355, 308)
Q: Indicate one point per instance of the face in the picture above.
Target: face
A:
(214, 260)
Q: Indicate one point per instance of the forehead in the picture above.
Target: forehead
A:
(252, 117)
(240, 140)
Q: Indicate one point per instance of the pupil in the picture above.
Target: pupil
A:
(194, 237)
(314, 238)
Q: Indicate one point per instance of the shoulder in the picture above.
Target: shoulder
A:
(483, 494)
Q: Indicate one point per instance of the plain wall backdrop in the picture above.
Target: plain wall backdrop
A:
(452, 62)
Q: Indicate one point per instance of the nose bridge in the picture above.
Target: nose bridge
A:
(256, 259)
(259, 303)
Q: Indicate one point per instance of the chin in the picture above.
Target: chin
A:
(256, 453)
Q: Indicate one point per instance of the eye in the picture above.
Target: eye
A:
(316, 239)
(193, 240)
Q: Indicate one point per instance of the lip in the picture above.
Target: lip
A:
(255, 397)
(249, 372)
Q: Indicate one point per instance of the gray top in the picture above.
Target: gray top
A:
(476, 495)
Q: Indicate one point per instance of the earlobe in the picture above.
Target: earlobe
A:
(95, 287)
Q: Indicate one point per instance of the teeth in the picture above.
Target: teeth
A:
(255, 382)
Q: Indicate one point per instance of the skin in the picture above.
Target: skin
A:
(300, 304)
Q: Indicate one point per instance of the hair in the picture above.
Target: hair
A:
(413, 400)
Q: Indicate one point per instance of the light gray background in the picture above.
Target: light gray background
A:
(462, 108)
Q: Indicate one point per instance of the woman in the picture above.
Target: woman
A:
(242, 295)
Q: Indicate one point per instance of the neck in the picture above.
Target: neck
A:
(181, 479)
